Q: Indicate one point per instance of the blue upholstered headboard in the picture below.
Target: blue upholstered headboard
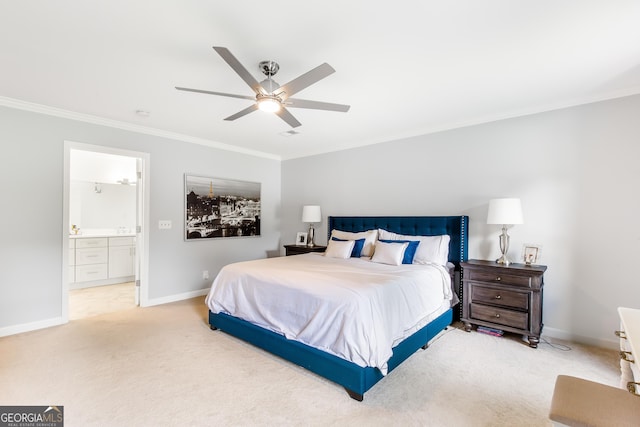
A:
(457, 227)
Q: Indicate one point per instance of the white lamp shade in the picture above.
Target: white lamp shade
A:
(311, 214)
(505, 212)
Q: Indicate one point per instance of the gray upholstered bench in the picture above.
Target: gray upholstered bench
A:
(578, 402)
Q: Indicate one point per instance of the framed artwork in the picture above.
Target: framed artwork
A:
(531, 253)
(220, 207)
(301, 238)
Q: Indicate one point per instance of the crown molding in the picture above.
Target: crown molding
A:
(96, 120)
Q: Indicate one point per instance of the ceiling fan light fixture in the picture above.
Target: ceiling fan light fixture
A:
(269, 104)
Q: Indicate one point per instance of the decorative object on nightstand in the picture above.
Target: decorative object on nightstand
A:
(531, 253)
(301, 238)
(505, 212)
(297, 249)
(311, 214)
(503, 297)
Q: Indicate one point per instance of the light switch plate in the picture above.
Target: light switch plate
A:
(164, 224)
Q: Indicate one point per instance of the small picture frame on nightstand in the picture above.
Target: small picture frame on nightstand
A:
(301, 238)
(531, 253)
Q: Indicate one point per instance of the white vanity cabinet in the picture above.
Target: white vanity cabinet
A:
(91, 259)
(105, 260)
(122, 255)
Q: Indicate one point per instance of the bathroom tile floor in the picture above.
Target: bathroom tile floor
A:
(90, 302)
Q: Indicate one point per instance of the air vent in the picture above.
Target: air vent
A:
(289, 133)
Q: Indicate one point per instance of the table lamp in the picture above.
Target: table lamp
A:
(311, 214)
(505, 212)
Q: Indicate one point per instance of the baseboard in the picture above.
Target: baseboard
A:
(582, 339)
(177, 297)
(28, 327)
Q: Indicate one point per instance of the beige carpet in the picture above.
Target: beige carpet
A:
(163, 366)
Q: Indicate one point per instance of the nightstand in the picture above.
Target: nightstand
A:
(505, 298)
(302, 249)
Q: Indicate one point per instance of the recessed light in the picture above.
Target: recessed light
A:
(143, 113)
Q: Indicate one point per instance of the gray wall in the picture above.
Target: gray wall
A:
(31, 184)
(576, 171)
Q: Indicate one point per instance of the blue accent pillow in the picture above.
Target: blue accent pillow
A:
(357, 246)
(409, 252)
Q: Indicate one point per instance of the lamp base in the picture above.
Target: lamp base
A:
(503, 260)
(504, 247)
(311, 236)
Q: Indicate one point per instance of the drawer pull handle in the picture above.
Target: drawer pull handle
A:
(498, 278)
(498, 296)
(497, 315)
(631, 388)
(621, 334)
(624, 355)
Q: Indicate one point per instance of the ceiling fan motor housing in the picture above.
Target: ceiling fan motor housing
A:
(269, 68)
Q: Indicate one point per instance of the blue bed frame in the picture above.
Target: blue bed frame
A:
(355, 379)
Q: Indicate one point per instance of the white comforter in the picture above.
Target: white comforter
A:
(352, 308)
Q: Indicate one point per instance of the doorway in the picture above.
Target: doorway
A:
(106, 201)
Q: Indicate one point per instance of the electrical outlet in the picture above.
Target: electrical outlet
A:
(164, 224)
(205, 274)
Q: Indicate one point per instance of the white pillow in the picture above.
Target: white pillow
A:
(339, 249)
(434, 249)
(389, 253)
(369, 237)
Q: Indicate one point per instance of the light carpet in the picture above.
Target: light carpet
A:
(163, 366)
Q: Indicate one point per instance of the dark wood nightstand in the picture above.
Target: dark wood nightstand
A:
(302, 249)
(505, 298)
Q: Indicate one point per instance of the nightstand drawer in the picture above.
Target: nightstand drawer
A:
(498, 277)
(500, 316)
(500, 297)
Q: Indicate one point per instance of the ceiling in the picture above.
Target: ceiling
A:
(406, 68)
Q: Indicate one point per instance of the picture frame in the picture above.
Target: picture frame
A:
(531, 253)
(220, 208)
(302, 238)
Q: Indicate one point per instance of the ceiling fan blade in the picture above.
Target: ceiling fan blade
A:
(239, 69)
(285, 115)
(208, 92)
(244, 112)
(317, 105)
(305, 80)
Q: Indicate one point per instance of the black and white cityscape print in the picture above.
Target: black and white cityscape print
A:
(218, 207)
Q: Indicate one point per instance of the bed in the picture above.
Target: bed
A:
(356, 375)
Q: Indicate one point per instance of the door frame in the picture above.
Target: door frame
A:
(142, 201)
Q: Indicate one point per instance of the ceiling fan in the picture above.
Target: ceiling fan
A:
(269, 95)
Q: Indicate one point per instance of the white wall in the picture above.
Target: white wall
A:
(576, 171)
(31, 185)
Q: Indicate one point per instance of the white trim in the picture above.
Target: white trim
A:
(561, 334)
(33, 326)
(146, 226)
(177, 297)
(87, 118)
